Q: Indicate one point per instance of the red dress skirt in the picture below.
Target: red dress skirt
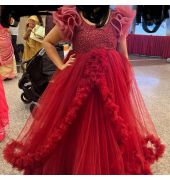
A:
(91, 120)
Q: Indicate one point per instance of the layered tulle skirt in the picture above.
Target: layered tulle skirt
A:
(90, 120)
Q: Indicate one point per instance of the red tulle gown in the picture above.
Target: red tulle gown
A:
(91, 118)
(4, 120)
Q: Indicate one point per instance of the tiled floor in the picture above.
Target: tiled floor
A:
(154, 81)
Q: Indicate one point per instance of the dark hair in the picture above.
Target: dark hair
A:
(97, 14)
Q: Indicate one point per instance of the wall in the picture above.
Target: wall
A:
(168, 25)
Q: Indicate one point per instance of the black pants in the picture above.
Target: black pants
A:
(14, 43)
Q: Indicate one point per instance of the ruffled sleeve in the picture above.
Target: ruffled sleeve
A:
(122, 19)
(67, 18)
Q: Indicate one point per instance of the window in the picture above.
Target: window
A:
(160, 32)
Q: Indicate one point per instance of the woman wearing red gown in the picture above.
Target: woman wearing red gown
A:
(4, 56)
(91, 118)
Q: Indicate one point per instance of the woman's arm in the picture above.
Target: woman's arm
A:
(52, 38)
(27, 33)
(122, 47)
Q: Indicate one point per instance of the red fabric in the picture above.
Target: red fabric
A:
(6, 54)
(67, 18)
(122, 19)
(6, 48)
(4, 120)
(149, 45)
(91, 119)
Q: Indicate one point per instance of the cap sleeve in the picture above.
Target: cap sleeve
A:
(67, 18)
(122, 19)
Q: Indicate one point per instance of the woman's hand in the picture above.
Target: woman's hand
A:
(29, 29)
(70, 62)
(27, 33)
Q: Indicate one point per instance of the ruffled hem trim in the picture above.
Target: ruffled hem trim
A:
(93, 77)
